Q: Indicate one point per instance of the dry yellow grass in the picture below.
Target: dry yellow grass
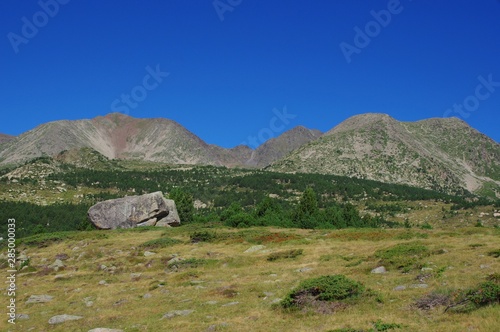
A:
(250, 280)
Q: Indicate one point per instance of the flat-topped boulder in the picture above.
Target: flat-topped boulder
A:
(144, 210)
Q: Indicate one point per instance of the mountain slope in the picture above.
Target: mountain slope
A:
(441, 154)
(161, 140)
(4, 138)
(278, 147)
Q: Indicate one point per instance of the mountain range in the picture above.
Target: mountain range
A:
(444, 154)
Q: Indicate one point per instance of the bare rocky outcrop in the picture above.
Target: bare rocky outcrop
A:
(132, 211)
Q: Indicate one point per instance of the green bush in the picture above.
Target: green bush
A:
(403, 256)
(203, 236)
(326, 288)
(485, 293)
(495, 253)
(191, 263)
(183, 203)
(285, 254)
(378, 326)
(45, 239)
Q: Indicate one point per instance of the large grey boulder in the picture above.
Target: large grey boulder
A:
(132, 211)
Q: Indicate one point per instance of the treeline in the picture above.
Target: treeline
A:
(305, 214)
(223, 186)
(35, 219)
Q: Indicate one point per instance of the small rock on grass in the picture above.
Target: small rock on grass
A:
(254, 249)
(175, 313)
(39, 299)
(419, 286)
(230, 304)
(379, 270)
(63, 318)
(103, 329)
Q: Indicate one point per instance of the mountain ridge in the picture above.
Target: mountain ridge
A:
(157, 139)
(444, 154)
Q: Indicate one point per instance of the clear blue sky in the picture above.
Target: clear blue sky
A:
(230, 66)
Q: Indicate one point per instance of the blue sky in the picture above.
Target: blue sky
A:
(224, 69)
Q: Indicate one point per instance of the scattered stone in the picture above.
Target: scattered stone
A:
(215, 327)
(22, 317)
(39, 299)
(63, 318)
(400, 288)
(273, 275)
(62, 276)
(268, 294)
(211, 302)
(22, 257)
(230, 304)
(57, 265)
(149, 253)
(254, 249)
(427, 269)
(88, 301)
(62, 257)
(128, 212)
(147, 296)
(304, 269)
(75, 248)
(379, 270)
(275, 301)
(103, 282)
(419, 286)
(174, 313)
(103, 329)
(484, 266)
(135, 276)
(120, 302)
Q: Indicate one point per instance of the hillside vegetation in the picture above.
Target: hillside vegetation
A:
(211, 278)
(257, 251)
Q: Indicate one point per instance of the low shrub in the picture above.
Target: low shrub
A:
(203, 236)
(403, 256)
(330, 288)
(190, 263)
(495, 253)
(377, 326)
(45, 239)
(285, 254)
(485, 293)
